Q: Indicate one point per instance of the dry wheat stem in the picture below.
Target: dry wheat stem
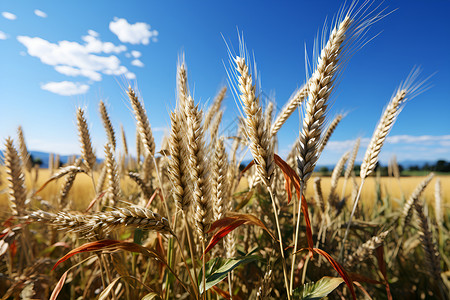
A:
(142, 123)
(23, 150)
(16, 179)
(214, 108)
(108, 126)
(329, 131)
(85, 139)
(320, 86)
(295, 101)
(409, 205)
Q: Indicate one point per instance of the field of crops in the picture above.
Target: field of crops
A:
(187, 222)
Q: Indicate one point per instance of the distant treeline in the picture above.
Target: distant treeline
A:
(441, 166)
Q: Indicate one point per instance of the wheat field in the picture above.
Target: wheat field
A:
(187, 222)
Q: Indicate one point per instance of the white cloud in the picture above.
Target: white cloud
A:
(422, 139)
(137, 33)
(137, 63)
(74, 59)
(40, 13)
(8, 15)
(130, 75)
(66, 88)
(3, 36)
(70, 71)
(93, 33)
(136, 54)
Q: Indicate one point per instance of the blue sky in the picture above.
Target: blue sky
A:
(56, 56)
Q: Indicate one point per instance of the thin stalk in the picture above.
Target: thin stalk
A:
(194, 285)
(350, 221)
(297, 228)
(101, 270)
(281, 243)
(191, 249)
(230, 284)
(204, 268)
(108, 275)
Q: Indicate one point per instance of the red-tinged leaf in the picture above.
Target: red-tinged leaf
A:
(382, 266)
(362, 289)
(362, 278)
(223, 232)
(95, 200)
(13, 249)
(225, 294)
(295, 180)
(231, 222)
(58, 286)
(92, 246)
(339, 269)
(247, 167)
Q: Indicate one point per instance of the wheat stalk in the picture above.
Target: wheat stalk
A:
(108, 126)
(85, 139)
(142, 123)
(16, 179)
(23, 150)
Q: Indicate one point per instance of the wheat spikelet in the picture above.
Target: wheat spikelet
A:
(214, 130)
(138, 147)
(329, 131)
(409, 205)
(337, 171)
(177, 165)
(182, 86)
(86, 148)
(108, 126)
(142, 123)
(214, 108)
(198, 168)
(140, 182)
(319, 87)
(113, 193)
(295, 101)
(219, 185)
(432, 255)
(387, 121)
(131, 216)
(68, 182)
(318, 195)
(16, 179)
(351, 161)
(438, 202)
(124, 140)
(366, 249)
(23, 150)
(63, 220)
(260, 145)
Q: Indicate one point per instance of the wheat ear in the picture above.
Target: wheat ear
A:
(124, 140)
(214, 108)
(142, 123)
(366, 249)
(409, 205)
(16, 179)
(23, 150)
(220, 186)
(72, 172)
(335, 175)
(113, 194)
(108, 126)
(85, 139)
(214, 128)
(295, 101)
(432, 255)
(329, 131)
(350, 164)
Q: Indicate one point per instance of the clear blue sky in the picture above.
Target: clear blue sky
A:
(56, 56)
